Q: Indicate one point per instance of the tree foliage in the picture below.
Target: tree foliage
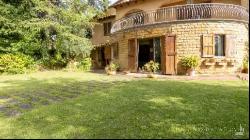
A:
(45, 29)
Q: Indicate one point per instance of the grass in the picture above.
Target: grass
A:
(87, 105)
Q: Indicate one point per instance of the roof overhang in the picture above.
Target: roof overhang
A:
(106, 44)
(122, 2)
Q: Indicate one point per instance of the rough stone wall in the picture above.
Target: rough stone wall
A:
(188, 40)
(245, 3)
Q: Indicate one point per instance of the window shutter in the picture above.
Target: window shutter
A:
(109, 27)
(207, 46)
(107, 51)
(105, 28)
(132, 54)
(115, 50)
(230, 49)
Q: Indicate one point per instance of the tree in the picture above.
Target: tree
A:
(48, 29)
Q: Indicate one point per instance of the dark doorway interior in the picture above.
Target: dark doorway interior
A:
(101, 57)
(146, 52)
(149, 49)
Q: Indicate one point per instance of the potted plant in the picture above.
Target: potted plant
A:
(191, 63)
(151, 67)
(111, 68)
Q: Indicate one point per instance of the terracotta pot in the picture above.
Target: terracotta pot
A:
(191, 72)
(151, 75)
(245, 70)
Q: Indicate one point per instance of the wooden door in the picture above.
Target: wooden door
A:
(132, 55)
(107, 54)
(169, 55)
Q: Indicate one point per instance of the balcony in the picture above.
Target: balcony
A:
(189, 12)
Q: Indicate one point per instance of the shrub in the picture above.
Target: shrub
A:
(56, 62)
(16, 63)
(85, 64)
(151, 66)
(190, 61)
(71, 66)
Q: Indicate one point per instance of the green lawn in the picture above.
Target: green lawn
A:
(86, 105)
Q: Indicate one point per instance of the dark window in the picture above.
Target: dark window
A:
(107, 28)
(219, 45)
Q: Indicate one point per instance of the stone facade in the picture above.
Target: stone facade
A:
(189, 34)
(188, 41)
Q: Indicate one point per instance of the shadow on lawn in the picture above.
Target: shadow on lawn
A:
(122, 109)
(21, 95)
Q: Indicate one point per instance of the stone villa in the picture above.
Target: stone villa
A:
(134, 32)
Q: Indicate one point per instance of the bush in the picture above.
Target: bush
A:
(190, 61)
(151, 66)
(56, 62)
(16, 63)
(71, 66)
(85, 64)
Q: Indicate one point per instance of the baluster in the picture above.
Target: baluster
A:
(234, 12)
(137, 20)
(182, 13)
(215, 10)
(202, 12)
(205, 14)
(166, 15)
(192, 12)
(218, 12)
(231, 12)
(140, 19)
(185, 12)
(227, 11)
(222, 12)
(163, 15)
(195, 12)
(209, 10)
(172, 13)
(147, 18)
(152, 17)
(156, 16)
